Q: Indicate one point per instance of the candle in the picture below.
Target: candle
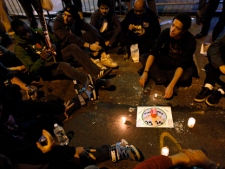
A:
(191, 122)
(124, 119)
(156, 94)
(153, 112)
(165, 151)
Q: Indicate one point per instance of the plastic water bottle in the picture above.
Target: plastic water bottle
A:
(60, 135)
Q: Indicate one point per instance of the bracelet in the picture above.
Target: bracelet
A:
(146, 71)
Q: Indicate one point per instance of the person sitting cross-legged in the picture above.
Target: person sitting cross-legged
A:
(171, 59)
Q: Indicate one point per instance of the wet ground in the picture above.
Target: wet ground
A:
(100, 122)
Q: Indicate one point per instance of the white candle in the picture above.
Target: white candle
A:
(124, 119)
(191, 122)
(165, 151)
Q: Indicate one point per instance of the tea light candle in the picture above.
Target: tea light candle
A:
(124, 119)
(165, 151)
(191, 122)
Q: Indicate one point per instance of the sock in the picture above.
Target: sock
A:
(221, 91)
(208, 86)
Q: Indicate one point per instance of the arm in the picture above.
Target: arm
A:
(144, 76)
(215, 53)
(25, 58)
(169, 89)
(117, 29)
(64, 35)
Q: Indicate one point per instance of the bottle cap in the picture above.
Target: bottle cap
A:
(56, 125)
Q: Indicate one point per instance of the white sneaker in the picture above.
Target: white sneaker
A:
(107, 61)
(98, 63)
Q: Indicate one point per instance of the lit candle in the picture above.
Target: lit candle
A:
(124, 119)
(165, 151)
(153, 112)
(156, 94)
(191, 122)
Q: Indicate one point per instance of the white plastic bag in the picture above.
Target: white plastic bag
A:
(134, 50)
(47, 5)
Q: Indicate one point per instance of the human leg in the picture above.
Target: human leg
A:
(213, 4)
(81, 57)
(29, 12)
(152, 6)
(220, 24)
(212, 75)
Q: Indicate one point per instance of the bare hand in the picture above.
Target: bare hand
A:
(142, 32)
(44, 54)
(143, 79)
(198, 158)
(50, 142)
(79, 150)
(168, 92)
(222, 69)
(131, 27)
(107, 43)
(67, 105)
(95, 47)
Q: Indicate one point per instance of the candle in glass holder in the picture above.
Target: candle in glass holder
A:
(165, 151)
(124, 119)
(191, 122)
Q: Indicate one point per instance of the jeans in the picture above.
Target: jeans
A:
(220, 24)
(74, 52)
(27, 6)
(63, 68)
(212, 76)
(213, 4)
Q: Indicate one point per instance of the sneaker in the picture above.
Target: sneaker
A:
(103, 83)
(98, 63)
(123, 150)
(107, 61)
(103, 73)
(214, 98)
(32, 93)
(88, 91)
(203, 95)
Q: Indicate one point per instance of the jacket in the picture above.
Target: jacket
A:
(72, 34)
(114, 26)
(27, 54)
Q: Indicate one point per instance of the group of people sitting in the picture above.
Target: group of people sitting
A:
(167, 58)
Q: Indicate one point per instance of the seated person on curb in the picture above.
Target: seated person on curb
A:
(68, 27)
(25, 149)
(107, 23)
(171, 59)
(185, 158)
(30, 49)
(140, 26)
(215, 68)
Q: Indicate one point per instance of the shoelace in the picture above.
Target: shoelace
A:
(121, 151)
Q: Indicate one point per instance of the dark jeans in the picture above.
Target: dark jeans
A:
(62, 68)
(162, 72)
(74, 52)
(220, 24)
(27, 6)
(213, 4)
(102, 154)
(212, 76)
